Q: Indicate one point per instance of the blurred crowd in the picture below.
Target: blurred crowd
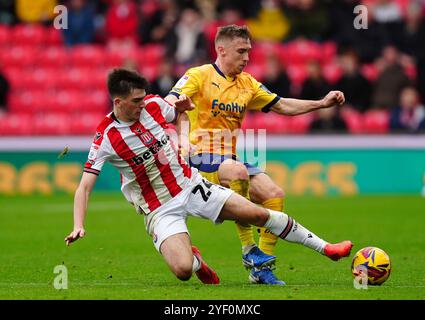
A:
(380, 67)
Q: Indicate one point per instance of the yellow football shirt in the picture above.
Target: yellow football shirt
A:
(221, 105)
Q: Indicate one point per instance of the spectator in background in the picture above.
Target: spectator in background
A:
(391, 79)
(80, 23)
(31, 11)
(328, 121)
(412, 41)
(121, 23)
(369, 42)
(166, 79)
(157, 24)
(315, 87)
(341, 22)
(7, 12)
(275, 78)
(386, 11)
(356, 87)
(4, 92)
(409, 116)
(308, 19)
(270, 24)
(187, 42)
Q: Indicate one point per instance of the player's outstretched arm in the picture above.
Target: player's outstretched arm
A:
(293, 107)
(81, 199)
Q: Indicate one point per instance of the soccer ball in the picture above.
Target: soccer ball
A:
(373, 263)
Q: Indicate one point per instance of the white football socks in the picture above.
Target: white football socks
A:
(288, 229)
(248, 248)
(196, 264)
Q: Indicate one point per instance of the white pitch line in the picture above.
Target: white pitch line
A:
(132, 284)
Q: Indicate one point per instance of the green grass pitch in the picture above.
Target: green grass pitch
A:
(117, 260)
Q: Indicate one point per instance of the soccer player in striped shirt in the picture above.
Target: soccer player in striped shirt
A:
(158, 182)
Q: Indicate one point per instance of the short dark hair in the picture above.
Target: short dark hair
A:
(121, 82)
(232, 31)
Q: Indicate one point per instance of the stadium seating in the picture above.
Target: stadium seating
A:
(353, 119)
(273, 124)
(5, 34)
(376, 121)
(85, 123)
(16, 123)
(48, 78)
(29, 35)
(51, 124)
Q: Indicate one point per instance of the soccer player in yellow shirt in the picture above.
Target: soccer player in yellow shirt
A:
(222, 94)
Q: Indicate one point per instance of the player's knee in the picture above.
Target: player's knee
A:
(183, 272)
(275, 192)
(259, 217)
(232, 170)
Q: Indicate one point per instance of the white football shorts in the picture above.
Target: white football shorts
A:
(201, 199)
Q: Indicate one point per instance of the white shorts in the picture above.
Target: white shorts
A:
(200, 199)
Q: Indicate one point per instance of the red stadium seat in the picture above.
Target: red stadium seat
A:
(150, 71)
(96, 101)
(66, 101)
(353, 119)
(411, 71)
(88, 56)
(271, 123)
(332, 72)
(257, 70)
(300, 51)
(98, 79)
(53, 37)
(297, 73)
(50, 76)
(28, 101)
(151, 54)
(328, 52)
(53, 57)
(115, 58)
(5, 35)
(376, 121)
(36, 79)
(85, 123)
(75, 79)
(15, 75)
(28, 35)
(51, 124)
(16, 124)
(300, 124)
(257, 55)
(18, 56)
(249, 121)
(369, 71)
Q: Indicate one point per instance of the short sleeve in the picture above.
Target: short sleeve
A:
(160, 110)
(188, 84)
(263, 99)
(97, 157)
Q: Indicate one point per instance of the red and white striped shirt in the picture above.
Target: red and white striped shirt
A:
(152, 171)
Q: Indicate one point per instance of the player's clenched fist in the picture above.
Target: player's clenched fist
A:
(74, 235)
(184, 103)
(333, 98)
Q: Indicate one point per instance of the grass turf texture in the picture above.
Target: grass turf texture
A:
(117, 260)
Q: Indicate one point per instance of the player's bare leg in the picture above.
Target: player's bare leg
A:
(239, 209)
(184, 260)
(234, 175)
